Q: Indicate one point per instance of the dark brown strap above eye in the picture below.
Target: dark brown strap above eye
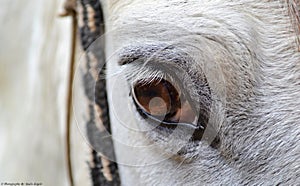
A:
(91, 26)
(90, 21)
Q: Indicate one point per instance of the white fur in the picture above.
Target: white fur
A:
(247, 50)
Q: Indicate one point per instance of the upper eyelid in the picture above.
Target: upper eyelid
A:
(168, 59)
(156, 61)
(165, 59)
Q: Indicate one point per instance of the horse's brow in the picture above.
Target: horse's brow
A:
(153, 53)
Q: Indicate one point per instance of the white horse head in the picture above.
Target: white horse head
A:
(204, 92)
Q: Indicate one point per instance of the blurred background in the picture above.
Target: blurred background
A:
(34, 62)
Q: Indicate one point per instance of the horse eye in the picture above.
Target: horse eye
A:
(159, 100)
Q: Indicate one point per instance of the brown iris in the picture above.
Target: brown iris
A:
(161, 100)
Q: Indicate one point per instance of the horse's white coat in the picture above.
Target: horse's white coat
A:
(252, 45)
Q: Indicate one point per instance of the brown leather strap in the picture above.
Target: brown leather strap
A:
(91, 26)
(70, 10)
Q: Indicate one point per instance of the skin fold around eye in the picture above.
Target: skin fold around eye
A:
(169, 96)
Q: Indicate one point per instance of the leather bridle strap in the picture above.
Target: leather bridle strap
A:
(89, 18)
(70, 10)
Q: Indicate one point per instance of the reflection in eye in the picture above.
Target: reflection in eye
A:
(161, 101)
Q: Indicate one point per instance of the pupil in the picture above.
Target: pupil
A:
(158, 106)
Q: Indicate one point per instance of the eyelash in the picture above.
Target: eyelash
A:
(153, 74)
(141, 73)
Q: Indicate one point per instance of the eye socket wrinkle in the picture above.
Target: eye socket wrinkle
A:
(174, 63)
